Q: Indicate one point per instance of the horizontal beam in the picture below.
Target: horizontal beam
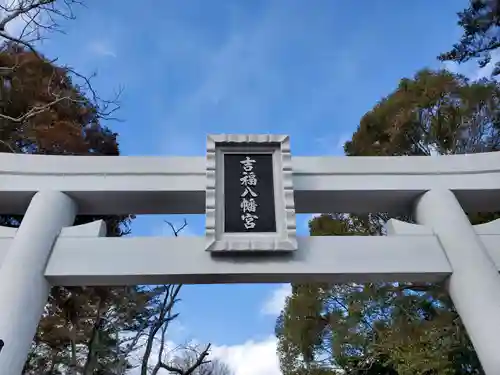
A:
(160, 185)
(334, 259)
(162, 260)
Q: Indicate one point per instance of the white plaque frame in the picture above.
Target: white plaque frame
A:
(284, 239)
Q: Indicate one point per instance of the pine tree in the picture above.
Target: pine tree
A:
(480, 23)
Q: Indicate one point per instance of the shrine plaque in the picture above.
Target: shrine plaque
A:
(249, 199)
(249, 193)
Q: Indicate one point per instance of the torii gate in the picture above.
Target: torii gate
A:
(51, 190)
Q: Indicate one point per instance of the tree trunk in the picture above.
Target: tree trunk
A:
(91, 362)
(73, 361)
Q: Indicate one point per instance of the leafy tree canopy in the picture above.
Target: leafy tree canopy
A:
(393, 328)
(481, 34)
(43, 111)
(46, 108)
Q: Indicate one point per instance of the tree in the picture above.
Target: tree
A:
(46, 108)
(32, 121)
(481, 34)
(187, 362)
(191, 360)
(394, 328)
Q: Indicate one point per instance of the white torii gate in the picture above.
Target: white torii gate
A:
(51, 190)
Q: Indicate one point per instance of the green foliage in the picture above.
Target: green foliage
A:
(481, 34)
(42, 111)
(436, 111)
(394, 328)
(89, 330)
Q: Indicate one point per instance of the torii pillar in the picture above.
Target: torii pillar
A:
(474, 285)
(23, 287)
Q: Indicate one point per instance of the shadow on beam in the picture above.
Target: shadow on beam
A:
(165, 260)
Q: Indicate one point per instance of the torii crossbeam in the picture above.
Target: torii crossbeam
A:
(51, 190)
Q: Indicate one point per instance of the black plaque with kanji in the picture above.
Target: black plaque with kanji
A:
(249, 204)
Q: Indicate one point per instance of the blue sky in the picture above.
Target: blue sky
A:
(309, 69)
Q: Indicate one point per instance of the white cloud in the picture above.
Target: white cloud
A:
(101, 48)
(471, 70)
(276, 301)
(16, 26)
(342, 139)
(36, 22)
(234, 74)
(451, 66)
(488, 69)
(333, 143)
(251, 357)
(244, 78)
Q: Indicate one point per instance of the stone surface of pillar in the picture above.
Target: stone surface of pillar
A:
(474, 285)
(23, 287)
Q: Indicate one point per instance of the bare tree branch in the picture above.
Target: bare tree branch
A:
(161, 324)
(176, 231)
(200, 360)
(8, 146)
(192, 361)
(23, 25)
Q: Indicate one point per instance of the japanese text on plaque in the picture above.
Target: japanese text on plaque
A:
(248, 203)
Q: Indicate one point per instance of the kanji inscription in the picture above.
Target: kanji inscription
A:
(249, 193)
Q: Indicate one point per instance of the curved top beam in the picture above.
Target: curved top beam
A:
(339, 165)
(144, 185)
